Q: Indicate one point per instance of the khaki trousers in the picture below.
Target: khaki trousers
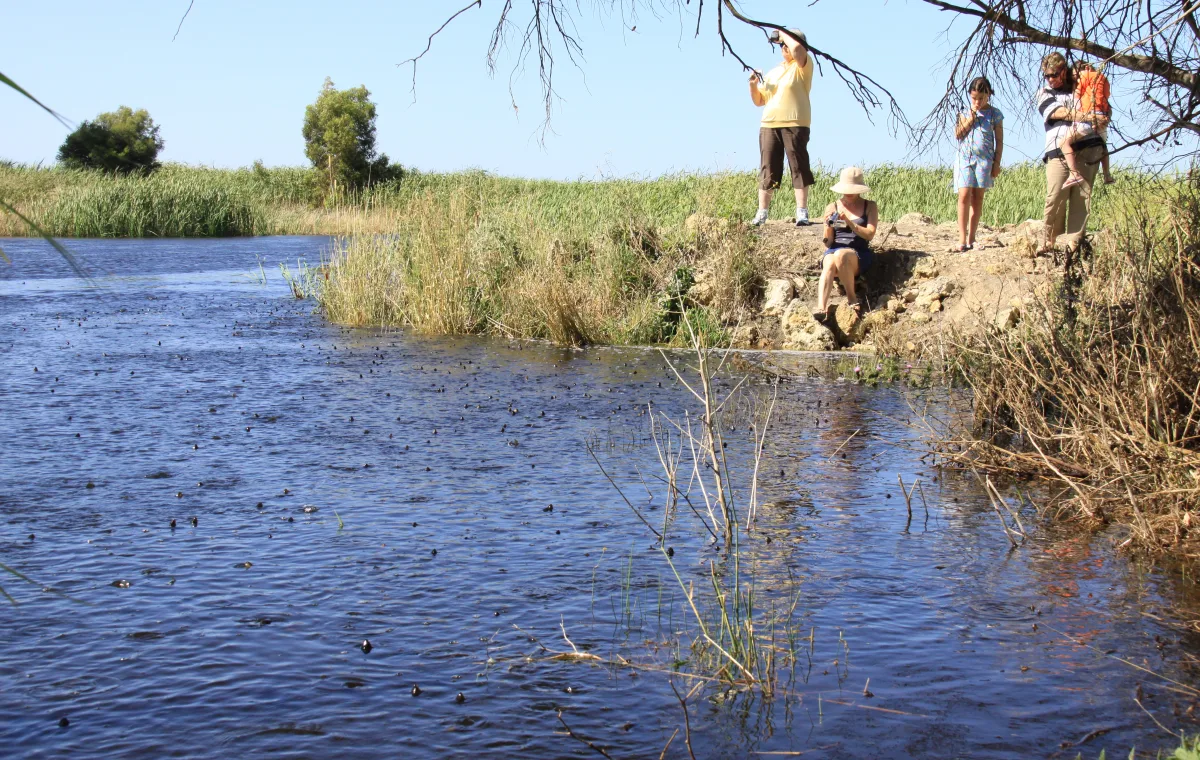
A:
(1067, 210)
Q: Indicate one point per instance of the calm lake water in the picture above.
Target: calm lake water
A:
(351, 485)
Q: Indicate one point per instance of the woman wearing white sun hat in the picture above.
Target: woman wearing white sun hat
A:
(850, 224)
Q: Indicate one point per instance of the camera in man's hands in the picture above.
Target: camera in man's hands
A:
(836, 222)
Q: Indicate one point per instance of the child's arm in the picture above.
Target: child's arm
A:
(999, 149)
(963, 126)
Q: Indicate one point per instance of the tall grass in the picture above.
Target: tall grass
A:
(196, 201)
(457, 263)
(1101, 390)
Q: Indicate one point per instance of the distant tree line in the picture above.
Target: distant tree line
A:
(339, 140)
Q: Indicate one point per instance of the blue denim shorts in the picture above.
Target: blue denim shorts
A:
(865, 258)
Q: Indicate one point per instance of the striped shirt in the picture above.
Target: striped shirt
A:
(1050, 100)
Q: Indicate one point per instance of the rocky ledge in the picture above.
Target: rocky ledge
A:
(917, 293)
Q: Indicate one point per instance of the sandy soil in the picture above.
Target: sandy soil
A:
(916, 291)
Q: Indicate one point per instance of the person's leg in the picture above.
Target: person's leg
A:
(770, 148)
(829, 273)
(796, 145)
(847, 270)
(764, 200)
(964, 208)
(976, 212)
(1065, 145)
(1054, 213)
(1080, 199)
(801, 198)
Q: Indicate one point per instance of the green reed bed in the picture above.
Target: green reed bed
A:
(196, 201)
(457, 262)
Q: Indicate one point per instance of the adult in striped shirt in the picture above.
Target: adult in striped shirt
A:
(1066, 209)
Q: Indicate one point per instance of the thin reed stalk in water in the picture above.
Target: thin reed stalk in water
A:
(736, 638)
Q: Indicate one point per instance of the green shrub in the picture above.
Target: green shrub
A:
(120, 141)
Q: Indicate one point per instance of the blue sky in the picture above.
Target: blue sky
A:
(233, 86)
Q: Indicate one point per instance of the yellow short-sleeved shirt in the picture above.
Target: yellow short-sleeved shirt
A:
(786, 89)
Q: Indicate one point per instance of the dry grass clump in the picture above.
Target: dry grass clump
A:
(460, 263)
(1101, 390)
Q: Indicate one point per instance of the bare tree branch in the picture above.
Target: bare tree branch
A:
(185, 15)
(550, 29)
(1149, 46)
(862, 87)
(429, 42)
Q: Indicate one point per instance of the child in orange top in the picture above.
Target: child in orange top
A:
(1091, 92)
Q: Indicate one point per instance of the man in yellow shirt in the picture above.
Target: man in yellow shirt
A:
(787, 116)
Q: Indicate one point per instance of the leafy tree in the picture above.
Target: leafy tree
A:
(339, 138)
(121, 141)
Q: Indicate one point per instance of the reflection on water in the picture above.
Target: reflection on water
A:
(358, 485)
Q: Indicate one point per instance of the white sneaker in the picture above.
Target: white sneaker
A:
(802, 217)
(760, 218)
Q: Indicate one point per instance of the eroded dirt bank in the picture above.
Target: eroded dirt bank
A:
(917, 291)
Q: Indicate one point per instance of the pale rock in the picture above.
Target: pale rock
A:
(910, 295)
(801, 332)
(1007, 319)
(938, 288)
(926, 269)
(877, 319)
(895, 305)
(746, 335)
(935, 307)
(915, 218)
(777, 296)
(920, 317)
(702, 292)
(1027, 238)
(848, 324)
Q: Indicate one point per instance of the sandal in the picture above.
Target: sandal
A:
(1072, 181)
(960, 248)
(820, 316)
